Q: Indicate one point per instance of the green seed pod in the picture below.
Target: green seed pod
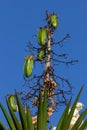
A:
(42, 36)
(28, 66)
(41, 55)
(12, 103)
(54, 20)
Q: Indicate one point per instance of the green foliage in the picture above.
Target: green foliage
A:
(2, 126)
(42, 112)
(29, 119)
(8, 118)
(25, 122)
(64, 122)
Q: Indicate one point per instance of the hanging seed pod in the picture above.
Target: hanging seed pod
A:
(42, 36)
(12, 103)
(28, 66)
(41, 55)
(54, 20)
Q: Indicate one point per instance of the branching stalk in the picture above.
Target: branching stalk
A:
(47, 65)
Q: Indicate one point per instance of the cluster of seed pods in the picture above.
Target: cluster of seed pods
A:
(42, 41)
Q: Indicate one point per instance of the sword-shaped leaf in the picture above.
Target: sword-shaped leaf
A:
(8, 118)
(2, 126)
(80, 120)
(21, 113)
(29, 119)
(44, 110)
(14, 118)
(63, 117)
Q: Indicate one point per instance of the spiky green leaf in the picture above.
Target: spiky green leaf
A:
(8, 118)
(14, 118)
(29, 119)
(67, 124)
(40, 114)
(84, 125)
(80, 120)
(2, 126)
(21, 113)
(63, 118)
(44, 110)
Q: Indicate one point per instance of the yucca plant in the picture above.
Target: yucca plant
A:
(25, 122)
(47, 83)
(65, 120)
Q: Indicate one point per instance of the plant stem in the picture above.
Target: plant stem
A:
(47, 65)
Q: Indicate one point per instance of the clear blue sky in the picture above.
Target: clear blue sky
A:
(20, 19)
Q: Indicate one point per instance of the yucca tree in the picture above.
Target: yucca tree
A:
(46, 53)
(46, 88)
(25, 122)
